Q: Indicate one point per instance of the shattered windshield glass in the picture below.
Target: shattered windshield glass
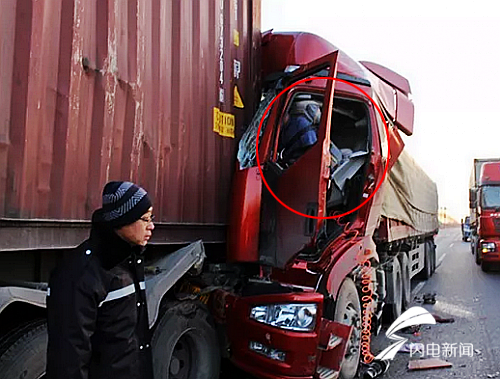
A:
(246, 149)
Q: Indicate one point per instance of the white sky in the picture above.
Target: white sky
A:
(450, 53)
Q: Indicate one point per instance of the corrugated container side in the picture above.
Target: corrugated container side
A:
(95, 90)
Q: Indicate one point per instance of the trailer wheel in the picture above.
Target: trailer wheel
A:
(432, 249)
(393, 309)
(24, 353)
(406, 281)
(185, 343)
(348, 312)
(426, 272)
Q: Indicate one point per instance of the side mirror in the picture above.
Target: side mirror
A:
(472, 198)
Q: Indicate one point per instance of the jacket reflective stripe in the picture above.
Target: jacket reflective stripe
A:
(122, 292)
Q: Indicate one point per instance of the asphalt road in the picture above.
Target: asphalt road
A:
(469, 296)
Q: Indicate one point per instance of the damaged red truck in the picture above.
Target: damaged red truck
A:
(484, 200)
(170, 95)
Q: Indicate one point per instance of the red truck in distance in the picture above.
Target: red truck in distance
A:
(484, 201)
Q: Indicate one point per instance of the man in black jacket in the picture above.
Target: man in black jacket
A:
(96, 303)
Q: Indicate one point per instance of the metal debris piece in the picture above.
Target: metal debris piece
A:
(442, 320)
(426, 364)
(429, 298)
(375, 369)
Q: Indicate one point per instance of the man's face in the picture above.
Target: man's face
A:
(140, 231)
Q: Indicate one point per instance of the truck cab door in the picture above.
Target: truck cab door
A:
(301, 185)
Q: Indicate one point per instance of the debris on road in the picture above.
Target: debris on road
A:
(442, 320)
(375, 369)
(425, 364)
(412, 347)
(411, 329)
(427, 298)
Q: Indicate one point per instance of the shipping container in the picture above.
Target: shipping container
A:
(152, 91)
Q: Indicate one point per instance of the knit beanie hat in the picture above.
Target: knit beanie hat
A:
(123, 203)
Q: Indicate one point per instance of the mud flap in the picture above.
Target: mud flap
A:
(333, 343)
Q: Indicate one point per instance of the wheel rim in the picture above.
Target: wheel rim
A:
(183, 356)
(351, 317)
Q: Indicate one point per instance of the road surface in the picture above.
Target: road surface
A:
(469, 296)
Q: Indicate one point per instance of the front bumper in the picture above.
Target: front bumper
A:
(491, 256)
(301, 348)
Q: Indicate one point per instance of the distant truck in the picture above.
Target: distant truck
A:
(484, 203)
(164, 94)
(466, 232)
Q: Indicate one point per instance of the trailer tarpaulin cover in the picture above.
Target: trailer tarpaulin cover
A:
(411, 196)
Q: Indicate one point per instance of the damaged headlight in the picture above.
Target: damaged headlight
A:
(299, 317)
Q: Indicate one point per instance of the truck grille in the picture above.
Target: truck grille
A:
(496, 222)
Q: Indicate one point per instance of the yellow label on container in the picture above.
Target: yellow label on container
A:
(224, 123)
(236, 38)
(238, 103)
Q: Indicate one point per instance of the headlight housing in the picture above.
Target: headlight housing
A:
(298, 317)
(488, 247)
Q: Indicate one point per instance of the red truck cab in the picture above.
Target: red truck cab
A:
(311, 258)
(486, 203)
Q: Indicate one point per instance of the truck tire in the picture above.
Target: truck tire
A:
(185, 344)
(23, 352)
(485, 266)
(426, 272)
(432, 248)
(406, 281)
(477, 254)
(393, 308)
(348, 312)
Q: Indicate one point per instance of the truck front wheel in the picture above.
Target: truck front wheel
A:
(426, 272)
(477, 254)
(185, 343)
(348, 312)
(23, 352)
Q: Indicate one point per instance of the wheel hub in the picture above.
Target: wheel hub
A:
(182, 357)
(351, 317)
(175, 366)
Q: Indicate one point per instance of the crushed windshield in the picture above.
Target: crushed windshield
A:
(246, 150)
(491, 197)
